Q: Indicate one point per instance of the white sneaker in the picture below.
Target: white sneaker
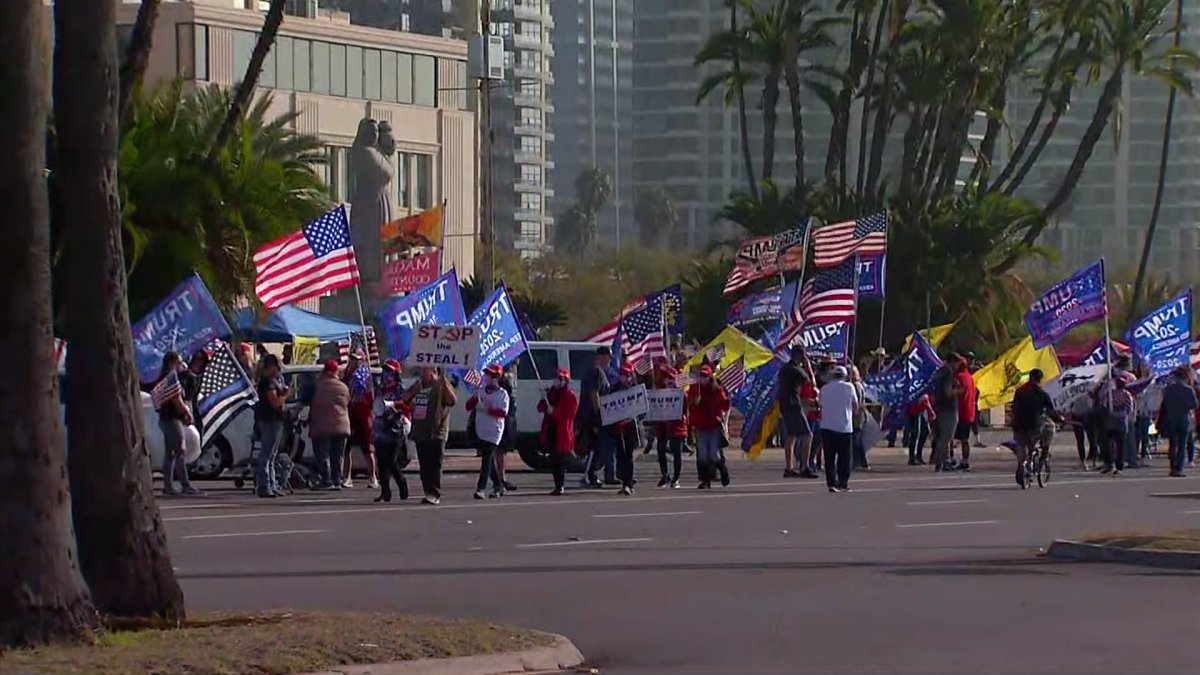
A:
(479, 495)
(374, 484)
(348, 483)
(675, 485)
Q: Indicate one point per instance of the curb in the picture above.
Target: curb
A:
(560, 655)
(1064, 549)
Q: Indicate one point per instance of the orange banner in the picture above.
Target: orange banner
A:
(419, 229)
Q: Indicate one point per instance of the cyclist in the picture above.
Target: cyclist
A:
(1030, 409)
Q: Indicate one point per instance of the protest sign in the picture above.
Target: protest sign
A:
(626, 404)
(186, 320)
(1074, 384)
(664, 405)
(409, 274)
(438, 303)
(445, 346)
(1162, 338)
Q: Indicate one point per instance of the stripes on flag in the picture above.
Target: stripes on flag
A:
(833, 244)
(715, 353)
(355, 341)
(829, 296)
(791, 325)
(603, 335)
(167, 388)
(225, 391)
(314, 261)
(733, 376)
(1194, 354)
(643, 366)
(684, 380)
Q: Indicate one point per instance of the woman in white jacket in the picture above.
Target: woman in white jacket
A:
(490, 408)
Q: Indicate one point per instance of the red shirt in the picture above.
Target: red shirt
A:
(966, 402)
(808, 394)
(707, 413)
(921, 405)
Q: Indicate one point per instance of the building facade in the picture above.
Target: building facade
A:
(333, 75)
(593, 98)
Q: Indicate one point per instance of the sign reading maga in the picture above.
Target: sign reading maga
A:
(626, 404)
(445, 346)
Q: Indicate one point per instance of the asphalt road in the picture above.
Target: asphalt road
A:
(910, 572)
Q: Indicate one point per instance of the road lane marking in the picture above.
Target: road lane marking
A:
(172, 507)
(251, 534)
(1192, 513)
(951, 524)
(648, 515)
(582, 542)
(948, 501)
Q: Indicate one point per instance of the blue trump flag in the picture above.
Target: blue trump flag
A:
(827, 339)
(1163, 337)
(438, 303)
(1067, 304)
(185, 321)
(757, 401)
(500, 340)
(755, 307)
(870, 275)
(920, 363)
(886, 387)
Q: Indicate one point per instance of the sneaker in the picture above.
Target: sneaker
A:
(704, 485)
(431, 501)
(1106, 469)
(980, 444)
(479, 495)
(1191, 465)
(725, 480)
(791, 473)
(1083, 466)
(808, 474)
(611, 481)
(664, 481)
(1176, 474)
(191, 491)
(509, 487)
(843, 488)
(625, 491)
(280, 492)
(920, 461)
(1021, 477)
(675, 485)
(833, 489)
(169, 492)
(557, 492)
(374, 484)
(1116, 472)
(348, 483)
(496, 494)
(912, 462)
(267, 495)
(964, 467)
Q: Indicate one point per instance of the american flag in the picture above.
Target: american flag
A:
(473, 378)
(791, 325)
(355, 341)
(643, 330)
(762, 257)
(603, 335)
(166, 389)
(1194, 354)
(314, 261)
(828, 297)
(834, 244)
(733, 376)
(683, 380)
(715, 353)
(643, 366)
(224, 392)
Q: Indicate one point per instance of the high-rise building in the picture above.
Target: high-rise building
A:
(593, 98)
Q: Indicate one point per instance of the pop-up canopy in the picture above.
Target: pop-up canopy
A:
(285, 323)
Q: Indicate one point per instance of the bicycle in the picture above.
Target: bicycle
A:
(1037, 461)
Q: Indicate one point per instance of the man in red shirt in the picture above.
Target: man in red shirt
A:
(966, 412)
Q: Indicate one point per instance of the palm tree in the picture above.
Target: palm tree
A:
(805, 33)
(726, 46)
(137, 55)
(575, 231)
(655, 215)
(775, 211)
(42, 594)
(764, 42)
(245, 88)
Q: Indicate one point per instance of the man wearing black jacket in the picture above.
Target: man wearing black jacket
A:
(1031, 405)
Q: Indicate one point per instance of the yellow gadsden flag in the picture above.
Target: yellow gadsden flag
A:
(305, 350)
(419, 229)
(998, 380)
(732, 344)
(934, 336)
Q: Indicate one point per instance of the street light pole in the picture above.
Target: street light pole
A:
(487, 232)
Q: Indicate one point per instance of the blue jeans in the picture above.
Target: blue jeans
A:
(1131, 445)
(173, 459)
(1117, 443)
(328, 451)
(270, 433)
(602, 456)
(1141, 435)
(1177, 442)
(814, 456)
(1191, 446)
(708, 451)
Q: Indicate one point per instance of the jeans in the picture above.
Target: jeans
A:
(917, 433)
(859, 450)
(1118, 437)
(600, 456)
(173, 460)
(429, 456)
(1141, 436)
(708, 452)
(1080, 437)
(837, 458)
(328, 451)
(558, 467)
(1191, 446)
(391, 454)
(270, 433)
(673, 447)
(814, 453)
(946, 422)
(625, 445)
(487, 468)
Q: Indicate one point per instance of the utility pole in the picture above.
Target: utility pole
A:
(487, 234)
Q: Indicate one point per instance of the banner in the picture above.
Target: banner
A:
(672, 307)
(1097, 356)
(733, 344)
(445, 347)
(934, 336)
(886, 388)
(1067, 304)
(826, 339)
(419, 229)
(664, 405)
(754, 308)
(870, 275)
(920, 364)
(437, 303)
(998, 381)
(1163, 337)
(305, 350)
(626, 404)
(408, 274)
(184, 322)
(501, 340)
(768, 256)
(756, 400)
(1074, 384)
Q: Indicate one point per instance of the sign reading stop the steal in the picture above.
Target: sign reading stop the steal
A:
(445, 346)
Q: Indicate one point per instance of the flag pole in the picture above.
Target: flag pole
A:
(362, 323)
(1107, 340)
(442, 227)
(854, 322)
(882, 298)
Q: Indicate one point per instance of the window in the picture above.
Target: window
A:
(422, 181)
(337, 70)
(508, 60)
(402, 164)
(531, 144)
(284, 62)
(531, 30)
(404, 78)
(243, 47)
(371, 77)
(192, 51)
(320, 67)
(302, 72)
(581, 360)
(531, 117)
(266, 77)
(531, 201)
(530, 88)
(336, 179)
(530, 232)
(424, 81)
(501, 28)
(531, 174)
(354, 72)
(545, 360)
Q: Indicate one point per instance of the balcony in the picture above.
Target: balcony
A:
(527, 157)
(528, 130)
(521, 70)
(529, 215)
(529, 100)
(522, 41)
(522, 186)
(528, 13)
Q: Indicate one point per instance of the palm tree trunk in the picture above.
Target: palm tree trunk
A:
(137, 56)
(743, 126)
(122, 543)
(1148, 244)
(245, 88)
(1060, 107)
(770, 115)
(1104, 109)
(839, 133)
(42, 594)
(866, 106)
(912, 140)
(792, 76)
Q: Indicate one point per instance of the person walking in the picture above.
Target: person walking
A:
(587, 422)
(430, 400)
(625, 435)
(670, 435)
(1175, 418)
(558, 409)
(173, 415)
(797, 434)
(920, 415)
(858, 447)
(967, 409)
(839, 403)
(390, 431)
(1079, 416)
(707, 406)
(946, 392)
(490, 405)
(508, 442)
(357, 377)
(1121, 410)
(329, 425)
(269, 417)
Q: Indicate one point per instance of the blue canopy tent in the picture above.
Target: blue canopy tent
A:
(287, 322)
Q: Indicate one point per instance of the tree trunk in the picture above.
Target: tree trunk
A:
(912, 140)
(866, 109)
(792, 75)
(122, 542)
(770, 115)
(245, 88)
(137, 56)
(1060, 107)
(1140, 281)
(743, 126)
(42, 594)
(839, 133)
(1104, 109)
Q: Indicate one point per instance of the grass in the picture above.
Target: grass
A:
(1176, 540)
(270, 643)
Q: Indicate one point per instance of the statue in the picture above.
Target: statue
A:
(371, 201)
